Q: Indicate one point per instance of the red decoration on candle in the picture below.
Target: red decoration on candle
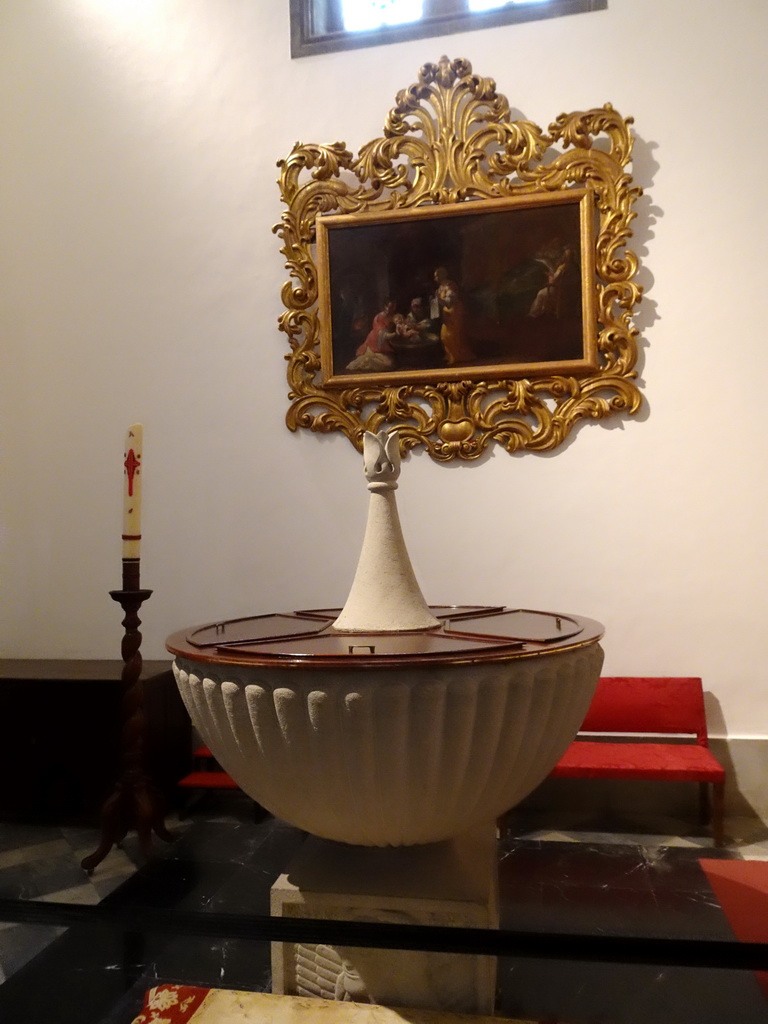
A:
(132, 466)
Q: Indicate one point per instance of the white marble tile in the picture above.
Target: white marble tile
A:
(38, 851)
(76, 894)
(752, 851)
(117, 863)
(554, 837)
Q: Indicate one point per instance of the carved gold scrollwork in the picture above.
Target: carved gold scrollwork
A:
(448, 139)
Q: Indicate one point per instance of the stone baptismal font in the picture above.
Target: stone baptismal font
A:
(400, 730)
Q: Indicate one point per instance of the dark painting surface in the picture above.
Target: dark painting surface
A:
(475, 290)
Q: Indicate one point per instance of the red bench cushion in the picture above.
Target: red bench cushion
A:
(208, 780)
(686, 762)
(662, 704)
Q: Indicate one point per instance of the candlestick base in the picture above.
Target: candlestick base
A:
(135, 802)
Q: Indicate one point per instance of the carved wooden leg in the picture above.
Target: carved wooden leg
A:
(114, 830)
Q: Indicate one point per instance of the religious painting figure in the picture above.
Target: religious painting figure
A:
(549, 299)
(415, 342)
(375, 353)
(374, 340)
(451, 308)
(419, 320)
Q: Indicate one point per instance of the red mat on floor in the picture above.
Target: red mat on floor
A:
(741, 887)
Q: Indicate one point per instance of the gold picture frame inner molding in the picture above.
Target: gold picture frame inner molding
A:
(526, 321)
(448, 146)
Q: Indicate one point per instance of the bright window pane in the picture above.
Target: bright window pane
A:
(360, 15)
(494, 5)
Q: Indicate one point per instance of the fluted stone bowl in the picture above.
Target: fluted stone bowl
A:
(379, 749)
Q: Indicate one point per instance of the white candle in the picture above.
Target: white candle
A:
(132, 491)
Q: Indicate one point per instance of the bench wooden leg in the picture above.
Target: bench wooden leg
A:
(718, 804)
(704, 807)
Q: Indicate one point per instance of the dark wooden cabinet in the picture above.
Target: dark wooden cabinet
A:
(60, 737)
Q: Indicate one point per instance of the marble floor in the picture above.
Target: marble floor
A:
(545, 873)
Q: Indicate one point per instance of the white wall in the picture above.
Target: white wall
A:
(141, 282)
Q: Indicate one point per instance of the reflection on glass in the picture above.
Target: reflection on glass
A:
(493, 5)
(360, 15)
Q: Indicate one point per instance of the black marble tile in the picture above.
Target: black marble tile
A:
(18, 882)
(127, 1007)
(247, 890)
(105, 886)
(569, 909)
(54, 874)
(691, 915)
(575, 864)
(173, 884)
(678, 867)
(75, 980)
(35, 878)
(207, 840)
(567, 992)
(99, 976)
(215, 963)
(19, 943)
(566, 887)
(14, 835)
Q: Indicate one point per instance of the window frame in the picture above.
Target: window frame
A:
(307, 42)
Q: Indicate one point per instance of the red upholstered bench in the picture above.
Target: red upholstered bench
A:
(209, 778)
(639, 707)
(208, 774)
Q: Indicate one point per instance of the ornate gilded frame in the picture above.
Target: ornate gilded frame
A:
(449, 140)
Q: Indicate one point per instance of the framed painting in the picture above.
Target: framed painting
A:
(465, 279)
(481, 291)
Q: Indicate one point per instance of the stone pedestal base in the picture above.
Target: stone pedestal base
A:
(452, 883)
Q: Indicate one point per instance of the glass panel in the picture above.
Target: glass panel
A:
(494, 5)
(363, 15)
(324, 26)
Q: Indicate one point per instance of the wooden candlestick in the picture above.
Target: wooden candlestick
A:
(135, 802)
